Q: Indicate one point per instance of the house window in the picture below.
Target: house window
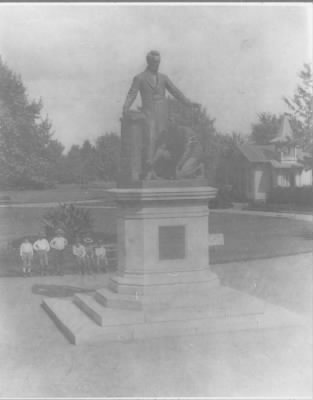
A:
(283, 179)
(298, 180)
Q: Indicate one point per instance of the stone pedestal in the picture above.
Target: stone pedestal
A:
(162, 242)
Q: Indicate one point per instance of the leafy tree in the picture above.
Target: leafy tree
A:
(301, 108)
(266, 128)
(108, 156)
(28, 154)
(73, 220)
(70, 166)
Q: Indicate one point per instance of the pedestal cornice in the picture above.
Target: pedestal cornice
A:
(202, 193)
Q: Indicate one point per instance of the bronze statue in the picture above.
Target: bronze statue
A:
(153, 86)
(155, 140)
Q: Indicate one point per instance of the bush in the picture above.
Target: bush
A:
(16, 243)
(73, 220)
(27, 183)
(223, 198)
(5, 199)
(292, 195)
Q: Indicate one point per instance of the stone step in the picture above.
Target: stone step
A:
(115, 300)
(106, 316)
(78, 328)
(68, 318)
(168, 278)
(112, 299)
(220, 298)
(139, 290)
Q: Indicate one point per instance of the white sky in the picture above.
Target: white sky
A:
(236, 60)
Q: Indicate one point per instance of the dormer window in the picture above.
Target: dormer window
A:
(287, 152)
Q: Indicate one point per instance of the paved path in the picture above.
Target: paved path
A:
(36, 360)
(300, 217)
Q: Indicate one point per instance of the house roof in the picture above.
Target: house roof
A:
(258, 153)
(267, 154)
(284, 133)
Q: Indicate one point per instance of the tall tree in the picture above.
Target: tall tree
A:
(266, 128)
(108, 156)
(301, 108)
(89, 162)
(27, 151)
(71, 166)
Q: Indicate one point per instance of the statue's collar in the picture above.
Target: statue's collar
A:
(152, 78)
(152, 73)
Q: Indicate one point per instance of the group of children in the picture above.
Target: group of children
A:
(89, 255)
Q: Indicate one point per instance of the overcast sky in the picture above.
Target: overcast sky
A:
(236, 60)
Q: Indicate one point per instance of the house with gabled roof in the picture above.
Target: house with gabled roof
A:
(280, 163)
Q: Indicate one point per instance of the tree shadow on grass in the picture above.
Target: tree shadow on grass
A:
(58, 290)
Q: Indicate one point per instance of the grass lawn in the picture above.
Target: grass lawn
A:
(61, 193)
(252, 237)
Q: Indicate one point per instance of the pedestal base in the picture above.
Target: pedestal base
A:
(163, 285)
(86, 321)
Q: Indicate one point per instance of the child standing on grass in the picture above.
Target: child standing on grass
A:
(42, 247)
(101, 256)
(27, 254)
(79, 252)
(58, 245)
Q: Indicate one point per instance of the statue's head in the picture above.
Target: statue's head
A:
(153, 60)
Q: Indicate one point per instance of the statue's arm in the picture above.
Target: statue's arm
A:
(175, 92)
(132, 94)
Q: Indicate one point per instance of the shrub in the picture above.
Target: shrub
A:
(33, 183)
(73, 220)
(223, 198)
(5, 199)
(292, 195)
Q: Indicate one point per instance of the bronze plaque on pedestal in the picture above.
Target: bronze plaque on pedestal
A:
(172, 242)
